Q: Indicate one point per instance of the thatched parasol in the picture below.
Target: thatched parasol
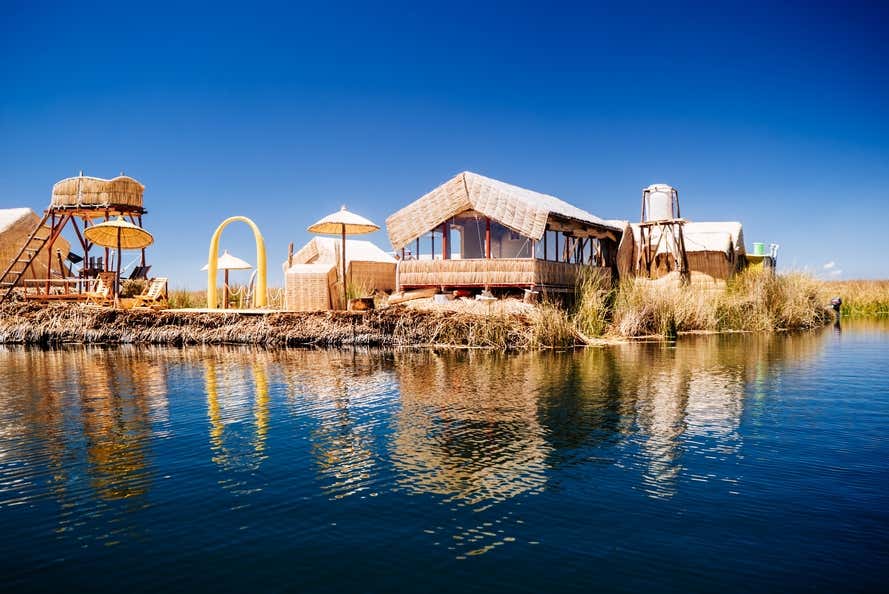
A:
(344, 223)
(228, 262)
(122, 235)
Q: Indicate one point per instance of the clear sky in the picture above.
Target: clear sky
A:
(774, 114)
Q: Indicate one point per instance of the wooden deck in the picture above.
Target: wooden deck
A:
(495, 272)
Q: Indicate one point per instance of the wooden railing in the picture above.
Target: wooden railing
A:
(495, 272)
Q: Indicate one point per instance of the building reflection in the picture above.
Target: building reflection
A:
(236, 384)
(82, 420)
(345, 396)
(468, 428)
(688, 399)
(476, 431)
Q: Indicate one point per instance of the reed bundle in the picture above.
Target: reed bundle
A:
(26, 323)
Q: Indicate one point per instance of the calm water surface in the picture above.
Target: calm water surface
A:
(742, 463)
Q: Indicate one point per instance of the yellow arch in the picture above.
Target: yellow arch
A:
(260, 295)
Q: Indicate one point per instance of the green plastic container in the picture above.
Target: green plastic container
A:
(759, 249)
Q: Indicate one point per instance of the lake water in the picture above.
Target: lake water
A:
(729, 463)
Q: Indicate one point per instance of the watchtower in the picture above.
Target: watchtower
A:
(79, 202)
(661, 240)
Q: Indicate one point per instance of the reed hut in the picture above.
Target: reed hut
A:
(16, 225)
(474, 231)
(311, 275)
(714, 250)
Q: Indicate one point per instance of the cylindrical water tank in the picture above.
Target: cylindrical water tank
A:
(658, 202)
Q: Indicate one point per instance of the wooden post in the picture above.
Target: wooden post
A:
(52, 232)
(117, 274)
(545, 251)
(142, 261)
(432, 243)
(417, 253)
(107, 265)
(225, 288)
(445, 243)
(345, 295)
(86, 248)
(488, 238)
(290, 255)
(62, 270)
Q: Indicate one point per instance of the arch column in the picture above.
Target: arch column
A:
(260, 294)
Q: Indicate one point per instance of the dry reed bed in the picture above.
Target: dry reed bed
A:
(751, 303)
(395, 326)
(861, 297)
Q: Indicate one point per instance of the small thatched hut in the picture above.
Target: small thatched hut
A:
(16, 225)
(474, 231)
(312, 276)
(714, 249)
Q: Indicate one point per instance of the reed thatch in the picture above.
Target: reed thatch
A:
(715, 249)
(490, 272)
(84, 191)
(524, 211)
(309, 285)
(57, 324)
(16, 225)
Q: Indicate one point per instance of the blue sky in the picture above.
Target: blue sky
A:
(772, 115)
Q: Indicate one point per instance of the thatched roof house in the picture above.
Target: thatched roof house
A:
(490, 233)
(16, 225)
(312, 276)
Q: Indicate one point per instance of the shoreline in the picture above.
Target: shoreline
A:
(397, 326)
(32, 324)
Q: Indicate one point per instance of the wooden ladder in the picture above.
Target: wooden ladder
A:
(13, 274)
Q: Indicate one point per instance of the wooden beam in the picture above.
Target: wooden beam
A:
(445, 241)
(545, 251)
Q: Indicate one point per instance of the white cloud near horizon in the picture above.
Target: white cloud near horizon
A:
(830, 265)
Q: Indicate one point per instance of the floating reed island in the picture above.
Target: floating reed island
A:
(596, 314)
(475, 263)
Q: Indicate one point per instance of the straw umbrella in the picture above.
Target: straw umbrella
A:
(121, 235)
(343, 223)
(228, 262)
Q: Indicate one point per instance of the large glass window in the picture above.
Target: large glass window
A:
(469, 229)
(506, 243)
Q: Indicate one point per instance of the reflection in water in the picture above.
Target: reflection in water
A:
(80, 413)
(238, 449)
(468, 427)
(476, 432)
(345, 394)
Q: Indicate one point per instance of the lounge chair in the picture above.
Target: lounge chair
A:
(101, 291)
(154, 295)
(140, 272)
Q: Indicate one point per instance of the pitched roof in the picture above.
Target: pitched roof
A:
(10, 216)
(522, 210)
(326, 250)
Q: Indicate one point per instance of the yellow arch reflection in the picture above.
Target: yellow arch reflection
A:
(226, 457)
